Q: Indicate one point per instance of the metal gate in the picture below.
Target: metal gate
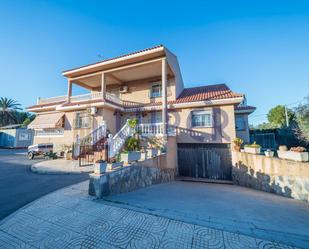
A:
(212, 161)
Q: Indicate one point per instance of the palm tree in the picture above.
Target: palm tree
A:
(7, 109)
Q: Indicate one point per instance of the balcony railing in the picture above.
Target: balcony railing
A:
(42, 101)
(113, 98)
(86, 97)
(81, 98)
(154, 129)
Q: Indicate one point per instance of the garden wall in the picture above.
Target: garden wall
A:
(279, 176)
(138, 175)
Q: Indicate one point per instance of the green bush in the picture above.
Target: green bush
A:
(132, 144)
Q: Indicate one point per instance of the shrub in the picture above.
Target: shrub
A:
(238, 141)
(132, 144)
(298, 149)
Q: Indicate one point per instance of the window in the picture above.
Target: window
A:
(240, 123)
(24, 136)
(201, 119)
(155, 117)
(83, 120)
(49, 132)
(156, 91)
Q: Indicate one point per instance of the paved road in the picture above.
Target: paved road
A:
(19, 186)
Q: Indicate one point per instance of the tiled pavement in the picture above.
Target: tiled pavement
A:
(69, 218)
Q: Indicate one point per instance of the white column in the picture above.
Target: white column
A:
(164, 96)
(69, 90)
(103, 85)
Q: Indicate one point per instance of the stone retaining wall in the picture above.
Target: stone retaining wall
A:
(279, 176)
(138, 175)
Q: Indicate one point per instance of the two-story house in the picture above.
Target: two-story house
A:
(146, 85)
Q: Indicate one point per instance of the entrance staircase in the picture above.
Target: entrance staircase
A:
(115, 143)
(90, 147)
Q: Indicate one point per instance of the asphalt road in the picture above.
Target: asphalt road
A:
(19, 186)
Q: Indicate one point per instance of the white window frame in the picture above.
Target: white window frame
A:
(84, 115)
(155, 84)
(50, 132)
(201, 112)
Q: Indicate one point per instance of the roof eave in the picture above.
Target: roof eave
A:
(68, 73)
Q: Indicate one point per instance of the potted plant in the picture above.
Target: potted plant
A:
(269, 153)
(154, 147)
(143, 153)
(295, 153)
(67, 149)
(283, 148)
(131, 152)
(253, 148)
(237, 143)
(100, 167)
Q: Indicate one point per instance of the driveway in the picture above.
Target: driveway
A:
(70, 218)
(225, 207)
(19, 186)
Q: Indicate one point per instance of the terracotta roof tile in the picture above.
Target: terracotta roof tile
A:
(211, 92)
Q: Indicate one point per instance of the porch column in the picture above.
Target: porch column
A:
(164, 97)
(103, 85)
(69, 90)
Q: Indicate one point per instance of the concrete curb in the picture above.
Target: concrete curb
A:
(38, 170)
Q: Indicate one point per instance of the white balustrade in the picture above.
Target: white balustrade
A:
(115, 143)
(113, 98)
(51, 100)
(82, 97)
(86, 97)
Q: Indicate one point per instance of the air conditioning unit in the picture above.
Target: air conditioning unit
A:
(123, 89)
(92, 110)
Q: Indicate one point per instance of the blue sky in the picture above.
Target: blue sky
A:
(260, 48)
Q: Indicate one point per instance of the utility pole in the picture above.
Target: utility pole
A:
(286, 116)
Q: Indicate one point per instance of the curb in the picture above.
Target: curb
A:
(36, 170)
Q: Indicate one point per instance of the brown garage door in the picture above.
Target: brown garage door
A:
(212, 161)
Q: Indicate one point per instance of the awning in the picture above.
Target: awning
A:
(43, 121)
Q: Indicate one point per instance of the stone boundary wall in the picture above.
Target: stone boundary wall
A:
(279, 176)
(138, 175)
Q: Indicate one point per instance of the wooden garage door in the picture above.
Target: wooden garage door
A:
(212, 161)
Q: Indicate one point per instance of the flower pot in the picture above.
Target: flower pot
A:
(293, 155)
(100, 167)
(114, 166)
(68, 155)
(152, 152)
(283, 148)
(143, 156)
(269, 153)
(252, 150)
(131, 156)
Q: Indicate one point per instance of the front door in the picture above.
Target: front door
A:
(211, 161)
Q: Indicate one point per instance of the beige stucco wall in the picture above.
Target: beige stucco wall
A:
(223, 130)
(283, 177)
(70, 133)
(139, 91)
